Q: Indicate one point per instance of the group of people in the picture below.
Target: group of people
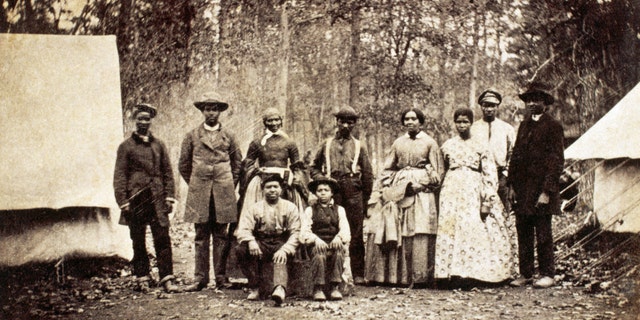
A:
(434, 214)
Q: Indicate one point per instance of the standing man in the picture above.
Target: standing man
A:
(498, 135)
(534, 176)
(144, 189)
(345, 159)
(210, 163)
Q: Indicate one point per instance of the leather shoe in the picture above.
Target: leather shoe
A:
(359, 281)
(318, 295)
(544, 282)
(278, 295)
(195, 287)
(169, 287)
(254, 294)
(335, 294)
(223, 283)
(521, 282)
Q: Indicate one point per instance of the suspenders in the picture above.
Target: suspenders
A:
(327, 156)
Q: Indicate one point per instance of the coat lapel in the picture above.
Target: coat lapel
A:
(209, 140)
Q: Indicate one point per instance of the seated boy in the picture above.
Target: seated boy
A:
(268, 232)
(326, 229)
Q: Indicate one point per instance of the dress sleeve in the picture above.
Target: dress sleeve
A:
(436, 159)
(489, 173)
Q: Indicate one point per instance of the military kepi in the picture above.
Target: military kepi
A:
(145, 107)
(490, 96)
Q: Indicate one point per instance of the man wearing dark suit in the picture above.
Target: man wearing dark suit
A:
(534, 172)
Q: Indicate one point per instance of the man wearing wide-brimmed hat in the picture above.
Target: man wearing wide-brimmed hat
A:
(498, 135)
(210, 163)
(534, 176)
(144, 189)
(345, 159)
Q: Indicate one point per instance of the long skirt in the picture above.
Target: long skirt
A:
(410, 263)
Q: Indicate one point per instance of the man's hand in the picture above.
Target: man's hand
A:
(336, 243)
(254, 249)
(320, 247)
(543, 200)
(280, 257)
(511, 195)
(484, 212)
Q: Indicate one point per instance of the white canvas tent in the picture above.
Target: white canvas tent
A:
(61, 120)
(614, 139)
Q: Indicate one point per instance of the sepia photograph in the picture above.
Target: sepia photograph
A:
(312, 159)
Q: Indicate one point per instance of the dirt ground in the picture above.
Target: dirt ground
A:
(103, 289)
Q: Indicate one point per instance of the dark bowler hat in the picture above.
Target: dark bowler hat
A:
(490, 96)
(211, 99)
(333, 184)
(537, 92)
(145, 107)
(346, 112)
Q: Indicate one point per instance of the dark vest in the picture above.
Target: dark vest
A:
(325, 222)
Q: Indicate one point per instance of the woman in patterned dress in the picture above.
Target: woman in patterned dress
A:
(473, 241)
(400, 247)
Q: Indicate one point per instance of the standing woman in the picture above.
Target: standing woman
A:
(401, 247)
(473, 241)
(274, 153)
(144, 189)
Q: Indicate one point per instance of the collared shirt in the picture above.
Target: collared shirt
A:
(536, 117)
(499, 137)
(270, 219)
(210, 128)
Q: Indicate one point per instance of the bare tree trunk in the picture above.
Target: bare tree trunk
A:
(473, 83)
(354, 68)
(283, 63)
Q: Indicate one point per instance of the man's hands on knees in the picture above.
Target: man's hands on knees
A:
(336, 243)
(320, 247)
(254, 249)
(280, 257)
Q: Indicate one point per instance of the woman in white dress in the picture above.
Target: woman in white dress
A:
(473, 240)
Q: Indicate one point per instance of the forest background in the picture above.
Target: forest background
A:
(309, 58)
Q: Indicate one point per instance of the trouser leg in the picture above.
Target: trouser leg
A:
(202, 240)
(544, 240)
(140, 259)
(249, 265)
(162, 245)
(335, 263)
(221, 249)
(318, 268)
(525, 229)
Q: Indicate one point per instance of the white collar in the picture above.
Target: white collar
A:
(536, 117)
(270, 134)
(210, 128)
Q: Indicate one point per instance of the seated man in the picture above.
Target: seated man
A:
(268, 232)
(326, 229)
